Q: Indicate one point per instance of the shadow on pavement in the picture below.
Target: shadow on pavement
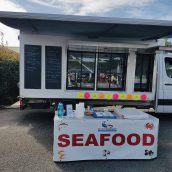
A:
(40, 123)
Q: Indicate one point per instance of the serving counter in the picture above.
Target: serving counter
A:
(89, 138)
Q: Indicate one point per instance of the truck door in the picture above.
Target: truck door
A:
(166, 102)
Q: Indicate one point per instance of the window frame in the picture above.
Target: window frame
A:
(124, 72)
(165, 65)
(80, 88)
(149, 72)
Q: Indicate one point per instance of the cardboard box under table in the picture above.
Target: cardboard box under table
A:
(90, 139)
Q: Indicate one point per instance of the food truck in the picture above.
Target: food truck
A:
(96, 60)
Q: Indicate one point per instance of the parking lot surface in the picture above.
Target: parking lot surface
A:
(26, 144)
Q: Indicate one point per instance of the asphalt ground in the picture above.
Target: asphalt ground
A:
(26, 144)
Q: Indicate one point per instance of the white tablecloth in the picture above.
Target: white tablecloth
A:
(90, 139)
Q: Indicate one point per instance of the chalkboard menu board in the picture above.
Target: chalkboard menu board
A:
(53, 57)
(32, 55)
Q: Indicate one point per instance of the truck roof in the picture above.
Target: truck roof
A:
(90, 27)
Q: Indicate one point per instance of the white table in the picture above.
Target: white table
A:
(92, 139)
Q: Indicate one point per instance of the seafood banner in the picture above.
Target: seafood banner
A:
(91, 139)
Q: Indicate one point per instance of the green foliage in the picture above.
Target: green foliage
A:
(9, 75)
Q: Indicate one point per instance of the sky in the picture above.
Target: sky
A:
(145, 9)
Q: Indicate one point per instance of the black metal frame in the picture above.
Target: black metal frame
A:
(124, 72)
(79, 88)
(149, 72)
(125, 57)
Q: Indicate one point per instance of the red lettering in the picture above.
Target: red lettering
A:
(76, 138)
(145, 139)
(122, 139)
(118, 139)
(91, 140)
(103, 138)
(64, 140)
(133, 143)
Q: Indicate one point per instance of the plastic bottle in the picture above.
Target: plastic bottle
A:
(60, 109)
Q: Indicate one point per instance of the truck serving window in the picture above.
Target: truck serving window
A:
(81, 70)
(168, 66)
(144, 72)
(111, 71)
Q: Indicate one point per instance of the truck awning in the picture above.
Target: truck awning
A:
(88, 26)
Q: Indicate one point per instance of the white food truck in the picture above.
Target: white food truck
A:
(97, 60)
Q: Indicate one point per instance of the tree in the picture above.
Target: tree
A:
(9, 75)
